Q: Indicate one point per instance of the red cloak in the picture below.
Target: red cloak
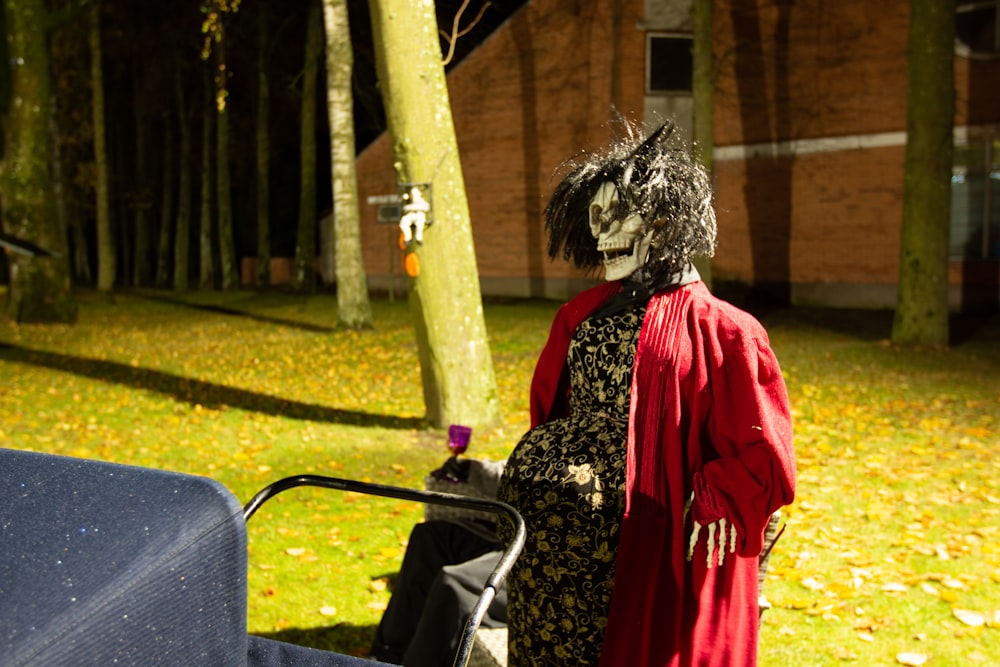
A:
(709, 415)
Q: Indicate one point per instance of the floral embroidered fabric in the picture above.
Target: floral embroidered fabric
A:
(566, 477)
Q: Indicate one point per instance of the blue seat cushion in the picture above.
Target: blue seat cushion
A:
(106, 564)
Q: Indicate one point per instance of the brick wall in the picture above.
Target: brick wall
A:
(809, 69)
(542, 88)
(539, 91)
(842, 212)
(789, 75)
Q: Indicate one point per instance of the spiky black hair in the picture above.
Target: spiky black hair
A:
(661, 182)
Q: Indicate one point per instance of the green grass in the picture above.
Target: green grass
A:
(895, 527)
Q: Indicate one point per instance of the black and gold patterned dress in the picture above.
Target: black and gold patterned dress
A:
(566, 477)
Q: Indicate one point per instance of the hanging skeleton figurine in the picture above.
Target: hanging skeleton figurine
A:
(415, 215)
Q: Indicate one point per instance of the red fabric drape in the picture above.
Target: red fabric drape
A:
(709, 414)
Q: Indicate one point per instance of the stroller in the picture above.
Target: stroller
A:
(103, 564)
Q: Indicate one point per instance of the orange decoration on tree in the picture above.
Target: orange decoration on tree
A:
(412, 264)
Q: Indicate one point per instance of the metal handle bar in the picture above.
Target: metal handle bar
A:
(493, 582)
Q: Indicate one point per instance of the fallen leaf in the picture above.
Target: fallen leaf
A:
(844, 654)
(328, 611)
(911, 659)
(841, 590)
(295, 551)
(797, 604)
(812, 584)
(975, 632)
(973, 618)
(819, 611)
(953, 583)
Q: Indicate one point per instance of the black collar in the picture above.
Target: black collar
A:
(635, 292)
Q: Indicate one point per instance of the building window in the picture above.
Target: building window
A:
(977, 31)
(975, 200)
(668, 63)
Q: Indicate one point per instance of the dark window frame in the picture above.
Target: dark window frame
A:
(977, 29)
(975, 207)
(661, 46)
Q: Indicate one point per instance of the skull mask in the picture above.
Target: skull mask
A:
(621, 235)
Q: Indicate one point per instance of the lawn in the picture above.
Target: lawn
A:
(891, 553)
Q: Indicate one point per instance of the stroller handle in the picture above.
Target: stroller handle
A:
(493, 582)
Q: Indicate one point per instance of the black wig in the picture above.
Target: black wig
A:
(660, 182)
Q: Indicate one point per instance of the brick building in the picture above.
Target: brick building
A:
(809, 130)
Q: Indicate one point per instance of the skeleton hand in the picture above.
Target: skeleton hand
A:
(719, 526)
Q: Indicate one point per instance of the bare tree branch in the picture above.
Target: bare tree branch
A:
(456, 33)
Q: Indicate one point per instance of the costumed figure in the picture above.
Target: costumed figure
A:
(441, 578)
(661, 438)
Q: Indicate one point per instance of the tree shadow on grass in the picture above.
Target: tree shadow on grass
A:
(857, 323)
(200, 392)
(984, 327)
(235, 312)
(343, 638)
(876, 325)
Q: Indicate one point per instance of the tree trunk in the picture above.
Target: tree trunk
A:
(702, 93)
(39, 286)
(305, 247)
(120, 207)
(142, 211)
(80, 260)
(456, 368)
(921, 316)
(105, 237)
(182, 235)
(205, 265)
(166, 204)
(223, 182)
(75, 242)
(353, 307)
(263, 277)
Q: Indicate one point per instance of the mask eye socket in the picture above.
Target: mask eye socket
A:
(604, 205)
(602, 217)
(634, 223)
(595, 215)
